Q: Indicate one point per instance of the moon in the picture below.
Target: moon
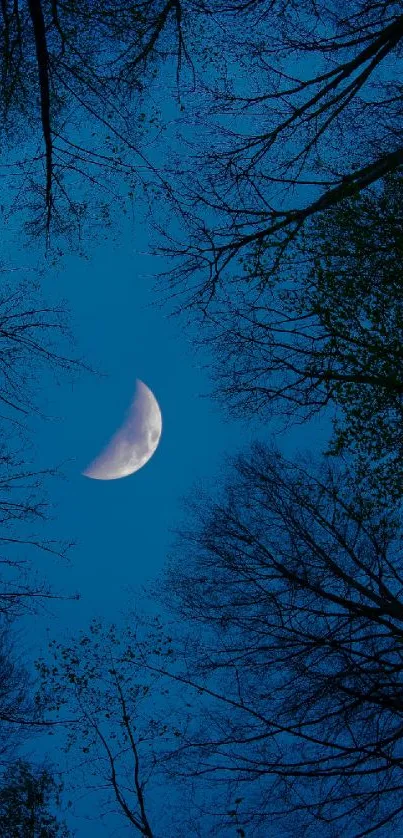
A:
(134, 443)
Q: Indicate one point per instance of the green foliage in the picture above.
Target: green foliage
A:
(29, 796)
(355, 288)
(324, 329)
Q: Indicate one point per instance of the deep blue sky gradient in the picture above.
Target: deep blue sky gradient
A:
(123, 526)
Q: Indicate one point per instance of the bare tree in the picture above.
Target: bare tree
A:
(34, 336)
(278, 679)
(63, 68)
(24, 513)
(298, 81)
(20, 715)
(34, 339)
(324, 330)
(125, 720)
(293, 585)
(117, 724)
(307, 113)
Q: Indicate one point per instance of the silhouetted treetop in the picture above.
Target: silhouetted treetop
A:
(292, 581)
(307, 113)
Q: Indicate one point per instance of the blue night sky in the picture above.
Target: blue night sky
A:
(105, 148)
(123, 527)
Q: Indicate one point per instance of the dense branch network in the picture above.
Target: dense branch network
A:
(273, 160)
(92, 62)
(297, 580)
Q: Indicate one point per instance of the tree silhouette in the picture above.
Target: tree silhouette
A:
(293, 585)
(20, 715)
(34, 339)
(62, 65)
(125, 721)
(95, 686)
(33, 335)
(303, 83)
(325, 330)
(274, 690)
(28, 797)
(77, 98)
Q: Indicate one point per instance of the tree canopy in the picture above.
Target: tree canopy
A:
(266, 138)
(324, 331)
(277, 97)
(28, 798)
(302, 82)
(292, 583)
(120, 721)
(271, 694)
(34, 341)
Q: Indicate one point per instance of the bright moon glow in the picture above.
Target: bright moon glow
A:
(134, 443)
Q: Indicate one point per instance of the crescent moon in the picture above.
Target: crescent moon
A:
(135, 441)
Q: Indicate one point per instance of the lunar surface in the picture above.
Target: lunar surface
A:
(134, 443)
